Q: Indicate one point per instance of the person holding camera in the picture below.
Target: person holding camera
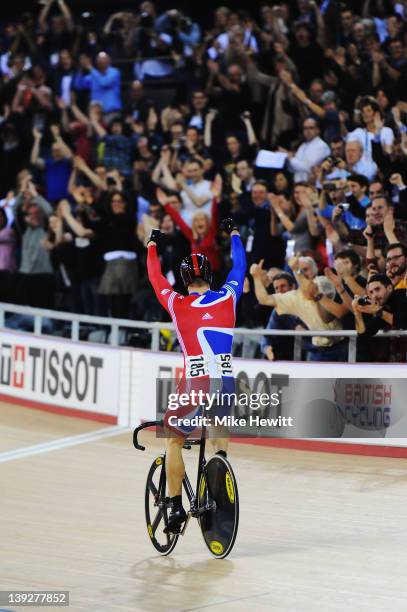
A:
(381, 308)
(184, 32)
(153, 48)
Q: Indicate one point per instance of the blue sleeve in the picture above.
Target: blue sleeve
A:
(82, 81)
(235, 279)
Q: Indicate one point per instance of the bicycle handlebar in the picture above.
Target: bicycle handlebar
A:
(143, 426)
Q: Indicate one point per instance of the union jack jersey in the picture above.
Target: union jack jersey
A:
(204, 322)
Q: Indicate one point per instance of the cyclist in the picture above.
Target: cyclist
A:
(204, 322)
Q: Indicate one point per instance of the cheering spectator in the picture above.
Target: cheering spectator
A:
(303, 228)
(203, 231)
(195, 190)
(358, 162)
(396, 264)
(276, 347)
(103, 82)
(304, 304)
(117, 147)
(311, 153)
(57, 168)
(31, 214)
(117, 232)
(373, 129)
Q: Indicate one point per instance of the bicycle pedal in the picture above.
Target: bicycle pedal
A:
(174, 530)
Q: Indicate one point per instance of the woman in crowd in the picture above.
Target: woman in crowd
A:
(117, 233)
(301, 224)
(203, 232)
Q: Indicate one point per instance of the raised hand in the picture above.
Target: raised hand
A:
(213, 66)
(294, 262)
(285, 77)
(55, 131)
(256, 270)
(389, 221)
(78, 162)
(31, 188)
(334, 278)
(397, 179)
(161, 196)
(64, 208)
(36, 133)
(217, 186)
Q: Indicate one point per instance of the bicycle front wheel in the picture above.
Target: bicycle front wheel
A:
(218, 492)
(157, 508)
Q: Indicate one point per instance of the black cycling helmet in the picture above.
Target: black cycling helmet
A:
(194, 266)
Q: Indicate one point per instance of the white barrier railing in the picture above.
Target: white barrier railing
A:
(114, 325)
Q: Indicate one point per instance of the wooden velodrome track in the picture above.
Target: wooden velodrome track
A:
(318, 532)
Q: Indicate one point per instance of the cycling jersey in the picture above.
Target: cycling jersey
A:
(204, 323)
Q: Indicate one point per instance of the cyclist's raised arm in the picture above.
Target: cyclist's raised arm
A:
(235, 279)
(161, 286)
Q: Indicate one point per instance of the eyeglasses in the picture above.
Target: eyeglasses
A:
(309, 127)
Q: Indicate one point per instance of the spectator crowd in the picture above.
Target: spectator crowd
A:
(290, 118)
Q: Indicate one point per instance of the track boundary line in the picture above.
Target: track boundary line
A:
(59, 443)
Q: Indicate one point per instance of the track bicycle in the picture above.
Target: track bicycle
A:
(214, 503)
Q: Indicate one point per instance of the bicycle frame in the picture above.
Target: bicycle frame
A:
(192, 496)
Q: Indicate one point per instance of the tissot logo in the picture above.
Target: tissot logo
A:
(50, 372)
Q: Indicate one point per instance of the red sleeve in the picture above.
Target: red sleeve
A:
(161, 286)
(176, 217)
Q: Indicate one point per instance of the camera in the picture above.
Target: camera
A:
(334, 161)
(344, 206)
(364, 301)
(329, 186)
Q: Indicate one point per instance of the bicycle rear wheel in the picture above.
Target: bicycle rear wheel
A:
(218, 490)
(157, 508)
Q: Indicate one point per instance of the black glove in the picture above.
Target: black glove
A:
(228, 225)
(155, 236)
